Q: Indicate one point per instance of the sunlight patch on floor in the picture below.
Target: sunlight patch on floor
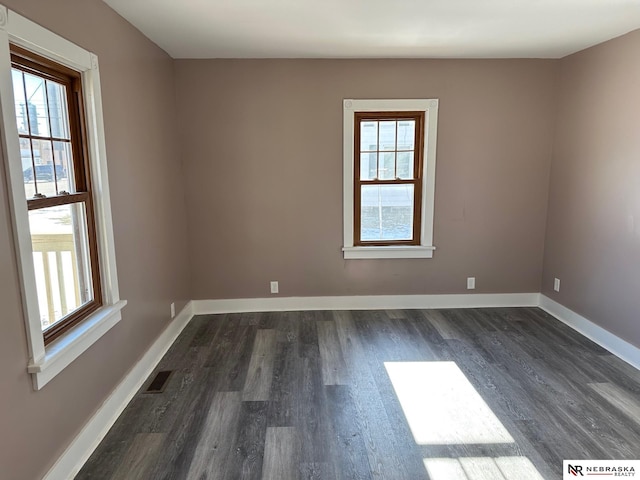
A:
(481, 468)
(441, 405)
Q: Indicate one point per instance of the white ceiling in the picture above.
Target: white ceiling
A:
(378, 28)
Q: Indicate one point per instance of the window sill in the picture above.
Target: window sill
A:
(61, 352)
(354, 253)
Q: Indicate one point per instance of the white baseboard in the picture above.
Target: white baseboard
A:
(621, 349)
(81, 448)
(372, 302)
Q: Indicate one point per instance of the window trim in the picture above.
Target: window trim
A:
(425, 248)
(46, 361)
(28, 62)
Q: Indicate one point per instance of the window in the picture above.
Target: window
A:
(56, 172)
(389, 178)
(57, 184)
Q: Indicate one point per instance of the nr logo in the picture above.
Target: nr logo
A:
(575, 471)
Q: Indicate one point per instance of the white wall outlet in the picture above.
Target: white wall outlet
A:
(471, 283)
(274, 287)
(556, 284)
(173, 309)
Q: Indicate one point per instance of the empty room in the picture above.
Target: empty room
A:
(345, 240)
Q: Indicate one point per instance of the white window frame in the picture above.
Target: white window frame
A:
(46, 361)
(426, 247)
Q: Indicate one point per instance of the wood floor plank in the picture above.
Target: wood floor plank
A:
(482, 468)
(354, 354)
(562, 333)
(548, 446)
(442, 325)
(140, 457)
(314, 471)
(287, 326)
(173, 358)
(104, 461)
(517, 467)
(214, 445)
(333, 366)
(260, 373)
(427, 334)
(281, 458)
(245, 458)
(232, 374)
(268, 320)
(624, 372)
(282, 407)
(314, 432)
(205, 333)
(445, 468)
(308, 335)
(349, 446)
(252, 318)
(189, 413)
(224, 340)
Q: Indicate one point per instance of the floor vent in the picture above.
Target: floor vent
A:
(159, 382)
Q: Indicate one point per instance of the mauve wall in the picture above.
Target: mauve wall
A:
(149, 222)
(262, 141)
(593, 230)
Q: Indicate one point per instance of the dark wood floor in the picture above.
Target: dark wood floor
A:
(414, 394)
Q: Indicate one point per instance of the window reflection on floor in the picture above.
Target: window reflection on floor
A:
(441, 405)
(443, 408)
(481, 468)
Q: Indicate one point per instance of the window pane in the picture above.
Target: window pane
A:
(58, 112)
(386, 212)
(406, 134)
(387, 170)
(27, 168)
(64, 167)
(368, 136)
(405, 165)
(368, 166)
(20, 102)
(45, 172)
(388, 135)
(37, 105)
(61, 260)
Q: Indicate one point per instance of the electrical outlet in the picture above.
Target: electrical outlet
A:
(556, 284)
(274, 287)
(471, 283)
(173, 309)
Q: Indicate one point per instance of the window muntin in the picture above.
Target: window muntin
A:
(388, 177)
(57, 183)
